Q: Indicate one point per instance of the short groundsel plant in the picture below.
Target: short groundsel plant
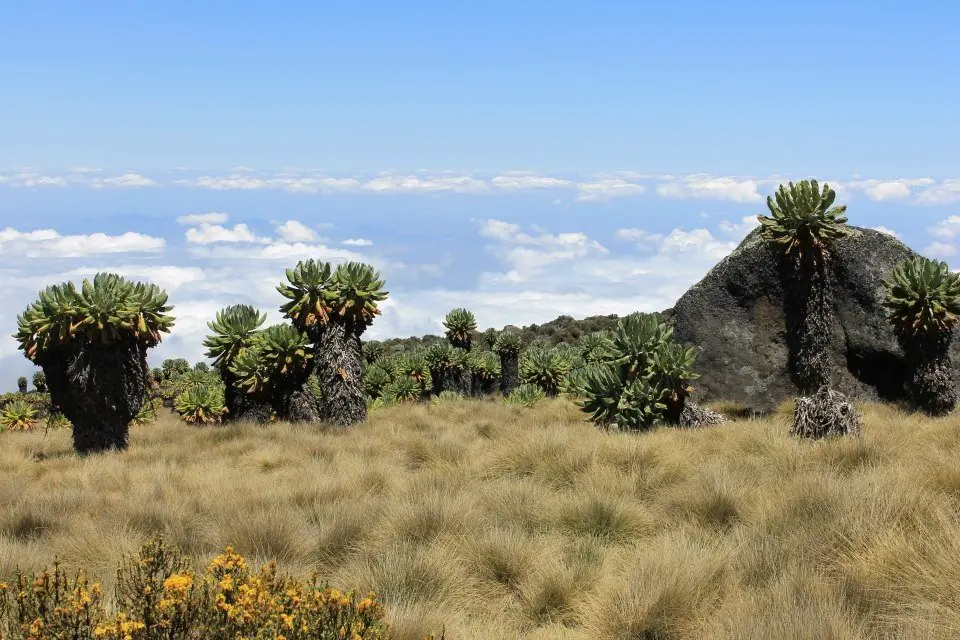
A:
(57, 420)
(201, 405)
(18, 416)
(158, 596)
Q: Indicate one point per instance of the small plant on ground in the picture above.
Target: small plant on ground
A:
(201, 405)
(402, 389)
(147, 413)
(445, 398)
(18, 415)
(644, 379)
(525, 395)
(375, 378)
(57, 420)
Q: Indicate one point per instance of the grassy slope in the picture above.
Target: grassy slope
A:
(501, 522)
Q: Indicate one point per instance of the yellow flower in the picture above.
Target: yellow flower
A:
(178, 584)
(287, 620)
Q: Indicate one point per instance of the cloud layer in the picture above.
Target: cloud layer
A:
(923, 191)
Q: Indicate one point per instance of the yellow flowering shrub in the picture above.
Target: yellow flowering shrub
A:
(159, 597)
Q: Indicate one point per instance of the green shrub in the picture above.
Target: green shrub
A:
(40, 382)
(544, 368)
(402, 389)
(643, 380)
(445, 398)
(39, 401)
(18, 416)
(159, 596)
(57, 420)
(526, 395)
(201, 404)
(375, 378)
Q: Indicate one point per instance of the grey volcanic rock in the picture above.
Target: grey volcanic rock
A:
(734, 316)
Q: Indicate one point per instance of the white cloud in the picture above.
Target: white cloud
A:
(295, 231)
(286, 251)
(221, 183)
(941, 250)
(704, 186)
(946, 192)
(357, 242)
(213, 233)
(413, 184)
(315, 185)
(285, 181)
(171, 278)
(31, 179)
(126, 180)
(742, 228)
(45, 181)
(697, 241)
(530, 254)
(948, 228)
(607, 188)
(504, 231)
(304, 251)
(203, 218)
(880, 190)
(517, 180)
(643, 238)
(48, 243)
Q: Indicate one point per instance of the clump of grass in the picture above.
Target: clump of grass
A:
(666, 589)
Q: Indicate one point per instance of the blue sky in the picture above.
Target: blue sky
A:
(521, 159)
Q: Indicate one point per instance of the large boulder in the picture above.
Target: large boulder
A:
(734, 316)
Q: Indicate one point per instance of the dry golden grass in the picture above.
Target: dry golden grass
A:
(500, 522)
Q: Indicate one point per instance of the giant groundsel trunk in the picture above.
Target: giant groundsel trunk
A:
(810, 317)
(509, 372)
(99, 388)
(340, 374)
(930, 382)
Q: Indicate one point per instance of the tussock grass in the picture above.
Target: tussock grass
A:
(503, 522)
